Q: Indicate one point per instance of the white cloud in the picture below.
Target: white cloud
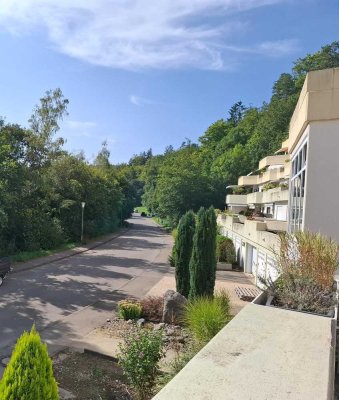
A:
(141, 101)
(79, 128)
(134, 34)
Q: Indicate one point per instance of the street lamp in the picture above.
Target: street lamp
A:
(82, 219)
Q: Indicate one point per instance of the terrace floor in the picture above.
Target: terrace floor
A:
(228, 280)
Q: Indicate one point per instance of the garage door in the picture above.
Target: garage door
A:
(272, 271)
(254, 260)
(261, 271)
(281, 213)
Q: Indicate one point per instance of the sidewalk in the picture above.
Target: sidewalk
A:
(38, 262)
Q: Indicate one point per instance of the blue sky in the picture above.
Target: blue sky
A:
(143, 73)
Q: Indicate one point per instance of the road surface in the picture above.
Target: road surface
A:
(68, 298)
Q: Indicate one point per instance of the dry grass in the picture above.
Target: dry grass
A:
(309, 255)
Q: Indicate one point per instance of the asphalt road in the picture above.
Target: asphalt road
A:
(71, 296)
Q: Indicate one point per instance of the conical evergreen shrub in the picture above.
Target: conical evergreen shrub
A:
(210, 247)
(203, 260)
(183, 252)
(29, 374)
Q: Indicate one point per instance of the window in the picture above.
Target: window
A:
(296, 205)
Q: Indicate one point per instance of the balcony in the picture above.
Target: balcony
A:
(273, 160)
(255, 198)
(236, 199)
(275, 195)
(274, 225)
(248, 180)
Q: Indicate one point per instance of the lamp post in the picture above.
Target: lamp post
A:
(82, 219)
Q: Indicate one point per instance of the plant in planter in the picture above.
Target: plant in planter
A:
(270, 185)
(306, 265)
(225, 253)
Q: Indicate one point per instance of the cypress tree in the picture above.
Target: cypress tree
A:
(29, 374)
(203, 260)
(183, 252)
(210, 247)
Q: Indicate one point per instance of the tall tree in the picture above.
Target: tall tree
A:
(203, 260)
(44, 123)
(183, 252)
(236, 113)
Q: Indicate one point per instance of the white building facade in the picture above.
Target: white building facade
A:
(295, 189)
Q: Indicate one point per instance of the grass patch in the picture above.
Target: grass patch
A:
(30, 255)
(141, 209)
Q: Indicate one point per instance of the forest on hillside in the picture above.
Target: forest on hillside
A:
(42, 185)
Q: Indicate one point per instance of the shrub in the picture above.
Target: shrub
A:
(182, 252)
(205, 316)
(226, 250)
(308, 255)
(29, 374)
(143, 214)
(152, 308)
(223, 298)
(302, 294)
(129, 309)
(203, 260)
(139, 357)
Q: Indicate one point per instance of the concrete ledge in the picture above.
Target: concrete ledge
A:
(263, 353)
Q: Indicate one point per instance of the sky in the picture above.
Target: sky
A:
(145, 74)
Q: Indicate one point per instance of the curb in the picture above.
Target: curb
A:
(74, 253)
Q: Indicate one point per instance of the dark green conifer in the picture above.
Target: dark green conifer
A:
(203, 260)
(183, 252)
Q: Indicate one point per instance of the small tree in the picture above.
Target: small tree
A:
(29, 374)
(203, 260)
(183, 252)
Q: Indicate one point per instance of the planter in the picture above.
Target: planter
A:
(242, 218)
(263, 299)
(222, 266)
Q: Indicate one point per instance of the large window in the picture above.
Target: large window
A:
(297, 191)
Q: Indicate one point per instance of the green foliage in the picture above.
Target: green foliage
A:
(129, 309)
(205, 316)
(203, 261)
(225, 250)
(270, 185)
(42, 186)
(139, 357)
(29, 374)
(183, 251)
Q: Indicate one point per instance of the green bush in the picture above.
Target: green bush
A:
(139, 356)
(225, 250)
(29, 374)
(129, 309)
(223, 298)
(205, 316)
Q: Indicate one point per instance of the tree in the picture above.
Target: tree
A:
(203, 260)
(183, 252)
(29, 374)
(326, 57)
(44, 123)
(102, 158)
(236, 113)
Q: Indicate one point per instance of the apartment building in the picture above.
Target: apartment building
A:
(294, 189)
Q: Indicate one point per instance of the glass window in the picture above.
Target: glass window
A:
(297, 192)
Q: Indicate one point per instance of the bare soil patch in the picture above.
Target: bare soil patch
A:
(90, 377)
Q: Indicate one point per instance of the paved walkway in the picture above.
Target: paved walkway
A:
(67, 298)
(227, 280)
